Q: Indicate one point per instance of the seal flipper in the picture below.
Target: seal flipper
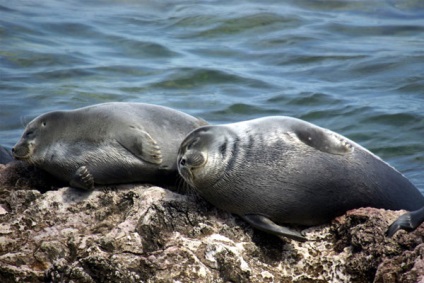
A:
(265, 224)
(323, 140)
(82, 179)
(408, 221)
(142, 145)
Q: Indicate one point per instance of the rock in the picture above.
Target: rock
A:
(141, 233)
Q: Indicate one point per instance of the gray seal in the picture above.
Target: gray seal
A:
(279, 171)
(5, 155)
(107, 143)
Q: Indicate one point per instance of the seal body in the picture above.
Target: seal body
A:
(107, 143)
(279, 170)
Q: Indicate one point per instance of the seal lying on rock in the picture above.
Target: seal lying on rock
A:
(107, 143)
(280, 170)
(5, 155)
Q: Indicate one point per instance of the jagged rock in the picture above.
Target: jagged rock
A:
(141, 233)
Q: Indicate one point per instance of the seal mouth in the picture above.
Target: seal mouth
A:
(186, 174)
(22, 157)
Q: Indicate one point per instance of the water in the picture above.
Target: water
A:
(356, 67)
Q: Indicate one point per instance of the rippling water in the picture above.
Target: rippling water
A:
(356, 67)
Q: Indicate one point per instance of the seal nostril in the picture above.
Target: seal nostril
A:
(182, 162)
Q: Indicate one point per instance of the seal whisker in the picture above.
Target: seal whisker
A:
(23, 120)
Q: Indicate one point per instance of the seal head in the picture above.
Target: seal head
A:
(193, 157)
(39, 127)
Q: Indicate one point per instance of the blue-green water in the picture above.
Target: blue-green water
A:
(356, 67)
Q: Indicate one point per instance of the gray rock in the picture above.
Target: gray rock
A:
(140, 233)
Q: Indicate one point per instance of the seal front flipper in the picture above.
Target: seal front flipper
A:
(82, 179)
(265, 224)
(142, 145)
(408, 221)
(323, 140)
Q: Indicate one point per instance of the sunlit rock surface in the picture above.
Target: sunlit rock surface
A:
(141, 233)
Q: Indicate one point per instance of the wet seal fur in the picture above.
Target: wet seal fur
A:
(107, 143)
(275, 171)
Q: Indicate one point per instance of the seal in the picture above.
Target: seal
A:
(280, 171)
(107, 143)
(5, 155)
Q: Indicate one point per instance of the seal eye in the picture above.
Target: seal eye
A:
(192, 143)
(223, 148)
(29, 134)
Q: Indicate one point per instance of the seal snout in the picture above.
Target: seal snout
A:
(21, 151)
(194, 159)
(183, 169)
(189, 161)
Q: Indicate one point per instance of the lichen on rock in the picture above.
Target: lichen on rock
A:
(142, 233)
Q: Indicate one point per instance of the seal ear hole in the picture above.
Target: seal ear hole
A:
(44, 123)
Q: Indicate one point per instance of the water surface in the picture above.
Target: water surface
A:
(356, 67)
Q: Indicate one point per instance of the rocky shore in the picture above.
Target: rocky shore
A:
(142, 233)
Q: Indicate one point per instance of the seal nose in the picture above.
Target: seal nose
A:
(14, 152)
(191, 160)
(183, 162)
